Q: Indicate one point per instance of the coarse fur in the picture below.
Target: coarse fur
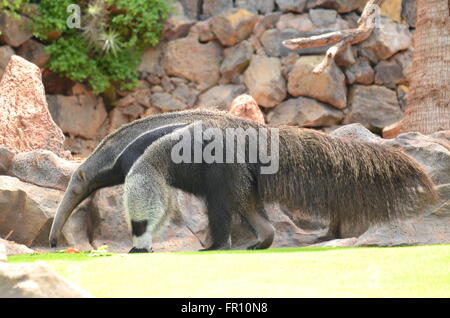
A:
(99, 170)
(346, 182)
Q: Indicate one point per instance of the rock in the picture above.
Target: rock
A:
(392, 131)
(389, 73)
(5, 54)
(34, 52)
(237, 58)
(291, 5)
(342, 6)
(215, 7)
(151, 61)
(245, 106)
(204, 69)
(28, 211)
(142, 97)
(409, 12)
(117, 119)
(402, 96)
(151, 111)
(185, 94)
(233, 26)
(265, 22)
(167, 84)
(387, 40)
(430, 153)
(261, 6)
(79, 147)
(2, 253)
(25, 122)
(291, 230)
(328, 87)
(427, 228)
(323, 17)
(55, 84)
(221, 96)
(202, 30)
(191, 8)
(298, 22)
(36, 280)
(133, 111)
(43, 168)
(6, 158)
(110, 220)
(356, 132)
(272, 41)
(392, 9)
(404, 59)
(81, 115)
(15, 31)
(178, 24)
(264, 81)
(361, 72)
(166, 101)
(346, 58)
(374, 106)
(13, 248)
(304, 112)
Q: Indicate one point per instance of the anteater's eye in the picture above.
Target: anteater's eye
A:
(81, 175)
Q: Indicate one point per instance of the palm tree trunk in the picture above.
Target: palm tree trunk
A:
(428, 106)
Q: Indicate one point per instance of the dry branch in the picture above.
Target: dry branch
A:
(343, 38)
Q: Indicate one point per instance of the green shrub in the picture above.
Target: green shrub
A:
(107, 49)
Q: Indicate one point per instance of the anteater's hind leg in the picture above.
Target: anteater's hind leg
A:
(264, 230)
(219, 217)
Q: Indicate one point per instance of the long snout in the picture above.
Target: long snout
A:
(72, 197)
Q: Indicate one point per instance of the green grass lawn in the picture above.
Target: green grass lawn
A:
(421, 271)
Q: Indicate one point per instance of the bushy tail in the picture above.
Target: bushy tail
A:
(352, 182)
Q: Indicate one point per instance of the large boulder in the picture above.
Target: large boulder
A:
(373, 106)
(233, 26)
(328, 87)
(34, 52)
(43, 168)
(15, 30)
(178, 24)
(203, 69)
(264, 81)
(306, 112)
(27, 212)
(36, 280)
(432, 153)
(388, 39)
(13, 248)
(78, 115)
(236, 60)
(25, 122)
